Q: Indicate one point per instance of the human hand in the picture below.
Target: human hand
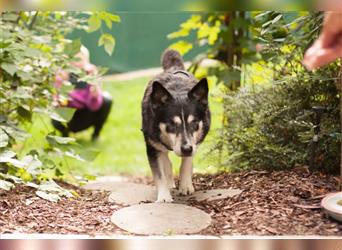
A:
(60, 77)
(328, 47)
(91, 69)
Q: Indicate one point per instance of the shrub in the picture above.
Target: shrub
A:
(273, 128)
(33, 48)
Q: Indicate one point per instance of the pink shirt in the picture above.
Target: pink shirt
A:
(80, 98)
(85, 98)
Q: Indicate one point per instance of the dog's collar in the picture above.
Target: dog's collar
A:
(181, 72)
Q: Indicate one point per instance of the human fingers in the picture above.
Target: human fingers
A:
(332, 28)
(317, 56)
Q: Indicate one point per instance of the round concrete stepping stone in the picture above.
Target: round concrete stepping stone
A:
(111, 178)
(107, 183)
(213, 194)
(106, 186)
(133, 193)
(161, 219)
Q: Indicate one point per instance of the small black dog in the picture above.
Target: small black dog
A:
(175, 117)
(85, 118)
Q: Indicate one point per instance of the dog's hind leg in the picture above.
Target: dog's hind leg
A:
(157, 164)
(168, 170)
(185, 177)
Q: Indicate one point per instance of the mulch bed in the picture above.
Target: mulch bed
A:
(21, 211)
(276, 203)
(272, 203)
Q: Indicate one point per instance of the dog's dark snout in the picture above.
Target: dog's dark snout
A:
(186, 149)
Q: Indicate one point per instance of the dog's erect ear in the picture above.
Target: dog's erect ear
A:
(159, 95)
(200, 91)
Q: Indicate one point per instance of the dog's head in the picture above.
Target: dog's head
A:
(181, 116)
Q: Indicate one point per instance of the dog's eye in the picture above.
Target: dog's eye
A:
(194, 125)
(171, 127)
(173, 123)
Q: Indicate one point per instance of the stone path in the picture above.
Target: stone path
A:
(132, 193)
(161, 218)
(144, 217)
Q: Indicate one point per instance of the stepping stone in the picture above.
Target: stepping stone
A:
(129, 193)
(107, 183)
(104, 186)
(161, 219)
(111, 178)
(133, 193)
(213, 194)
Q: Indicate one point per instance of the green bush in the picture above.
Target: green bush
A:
(273, 128)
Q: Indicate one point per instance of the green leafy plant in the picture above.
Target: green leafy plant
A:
(33, 47)
(95, 23)
(226, 38)
(273, 127)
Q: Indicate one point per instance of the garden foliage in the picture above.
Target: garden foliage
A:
(33, 47)
(267, 95)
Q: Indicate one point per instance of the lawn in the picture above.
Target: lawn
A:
(121, 145)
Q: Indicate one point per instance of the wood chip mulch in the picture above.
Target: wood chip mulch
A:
(21, 211)
(272, 203)
(276, 203)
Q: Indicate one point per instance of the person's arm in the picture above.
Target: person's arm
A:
(328, 47)
(60, 77)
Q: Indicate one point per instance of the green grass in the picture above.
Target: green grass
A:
(121, 144)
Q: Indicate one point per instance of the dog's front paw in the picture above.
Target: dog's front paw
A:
(171, 184)
(164, 200)
(164, 197)
(186, 189)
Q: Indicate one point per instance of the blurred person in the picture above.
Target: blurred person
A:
(328, 47)
(91, 104)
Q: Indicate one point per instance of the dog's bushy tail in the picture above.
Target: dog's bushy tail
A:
(172, 60)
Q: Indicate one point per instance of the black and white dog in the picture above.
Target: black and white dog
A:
(175, 117)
